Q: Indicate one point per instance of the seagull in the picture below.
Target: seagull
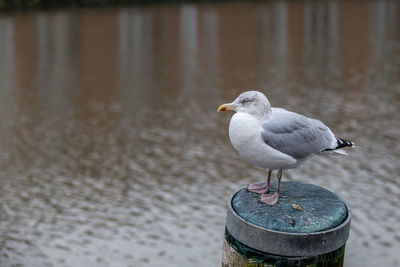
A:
(276, 139)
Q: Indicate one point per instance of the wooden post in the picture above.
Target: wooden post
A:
(308, 227)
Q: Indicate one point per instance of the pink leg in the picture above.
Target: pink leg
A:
(259, 189)
(272, 199)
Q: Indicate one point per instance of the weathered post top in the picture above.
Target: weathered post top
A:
(307, 221)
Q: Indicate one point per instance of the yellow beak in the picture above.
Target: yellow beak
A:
(225, 107)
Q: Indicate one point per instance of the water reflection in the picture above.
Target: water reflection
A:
(111, 148)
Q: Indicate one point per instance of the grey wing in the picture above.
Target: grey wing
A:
(295, 134)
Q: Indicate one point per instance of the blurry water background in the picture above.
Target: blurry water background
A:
(111, 150)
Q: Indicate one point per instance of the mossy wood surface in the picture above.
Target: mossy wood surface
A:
(236, 254)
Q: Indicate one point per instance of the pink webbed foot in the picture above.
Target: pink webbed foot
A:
(257, 188)
(269, 199)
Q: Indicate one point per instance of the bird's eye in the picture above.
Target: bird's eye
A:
(245, 100)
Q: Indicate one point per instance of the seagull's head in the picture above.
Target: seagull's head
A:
(252, 102)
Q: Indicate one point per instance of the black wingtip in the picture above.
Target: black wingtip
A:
(343, 143)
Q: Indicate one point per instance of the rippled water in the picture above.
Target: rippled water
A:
(111, 150)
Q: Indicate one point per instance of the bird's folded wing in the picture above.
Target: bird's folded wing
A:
(296, 135)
